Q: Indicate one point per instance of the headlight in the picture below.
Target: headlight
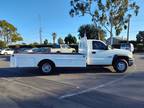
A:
(130, 55)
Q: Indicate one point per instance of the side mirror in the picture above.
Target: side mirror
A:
(108, 47)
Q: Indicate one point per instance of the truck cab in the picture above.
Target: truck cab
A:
(98, 53)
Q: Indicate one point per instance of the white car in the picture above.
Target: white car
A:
(63, 48)
(127, 46)
(31, 50)
(7, 51)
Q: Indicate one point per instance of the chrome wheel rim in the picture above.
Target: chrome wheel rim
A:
(46, 68)
(121, 66)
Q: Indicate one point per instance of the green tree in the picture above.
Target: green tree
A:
(9, 32)
(140, 37)
(54, 35)
(45, 42)
(35, 43)
(107, 14)
(91, 32)
(74, 40)
(70, 39)
(16, 37)
(66, 40)
(2, 44)
(60, 41)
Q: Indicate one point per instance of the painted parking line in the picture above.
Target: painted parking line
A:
(2, 59)
(95, 88)
(16, 81)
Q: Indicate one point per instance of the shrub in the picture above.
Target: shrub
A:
(140, 47)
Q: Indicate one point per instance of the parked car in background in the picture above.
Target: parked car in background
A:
(7, 51)
(30, 50)
(33, 50)
(1, 49)
(19, 50)
(127, 46)
(63, 48)
(42, 50)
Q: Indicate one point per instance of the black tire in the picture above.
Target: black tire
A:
(46, 68)
(5, 53)
(120, 65)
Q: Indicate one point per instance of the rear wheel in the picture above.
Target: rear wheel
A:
(120, 65)
(46, 68)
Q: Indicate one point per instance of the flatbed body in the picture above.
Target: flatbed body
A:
(60, 60)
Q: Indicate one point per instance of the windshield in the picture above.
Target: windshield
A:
(65, 46)
(125, 45)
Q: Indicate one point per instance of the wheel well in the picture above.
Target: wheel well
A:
(116, 57)
(46, 60)
(73, 51)
(58, 52)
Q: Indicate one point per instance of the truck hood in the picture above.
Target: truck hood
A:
(121, 52)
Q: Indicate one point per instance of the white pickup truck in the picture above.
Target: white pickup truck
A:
(91, 52)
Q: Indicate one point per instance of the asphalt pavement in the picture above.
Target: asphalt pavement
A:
(91, 88)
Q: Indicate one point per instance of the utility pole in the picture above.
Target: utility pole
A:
(128, 30)
(129, 16)
(40, 30)
(111, 30)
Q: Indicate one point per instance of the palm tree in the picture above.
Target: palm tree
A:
(54, 35)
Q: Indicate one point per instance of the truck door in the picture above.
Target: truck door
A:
(98, 55)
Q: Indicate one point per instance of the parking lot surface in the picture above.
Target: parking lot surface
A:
(91, 88)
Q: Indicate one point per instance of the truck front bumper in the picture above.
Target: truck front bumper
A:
(130, 62)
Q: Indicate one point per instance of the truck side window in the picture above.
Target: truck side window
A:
(97, 45)
(57, 46)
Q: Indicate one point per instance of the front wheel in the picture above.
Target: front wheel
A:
(46, 68)
(120, 65)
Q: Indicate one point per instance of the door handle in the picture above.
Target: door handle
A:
(93, 52)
